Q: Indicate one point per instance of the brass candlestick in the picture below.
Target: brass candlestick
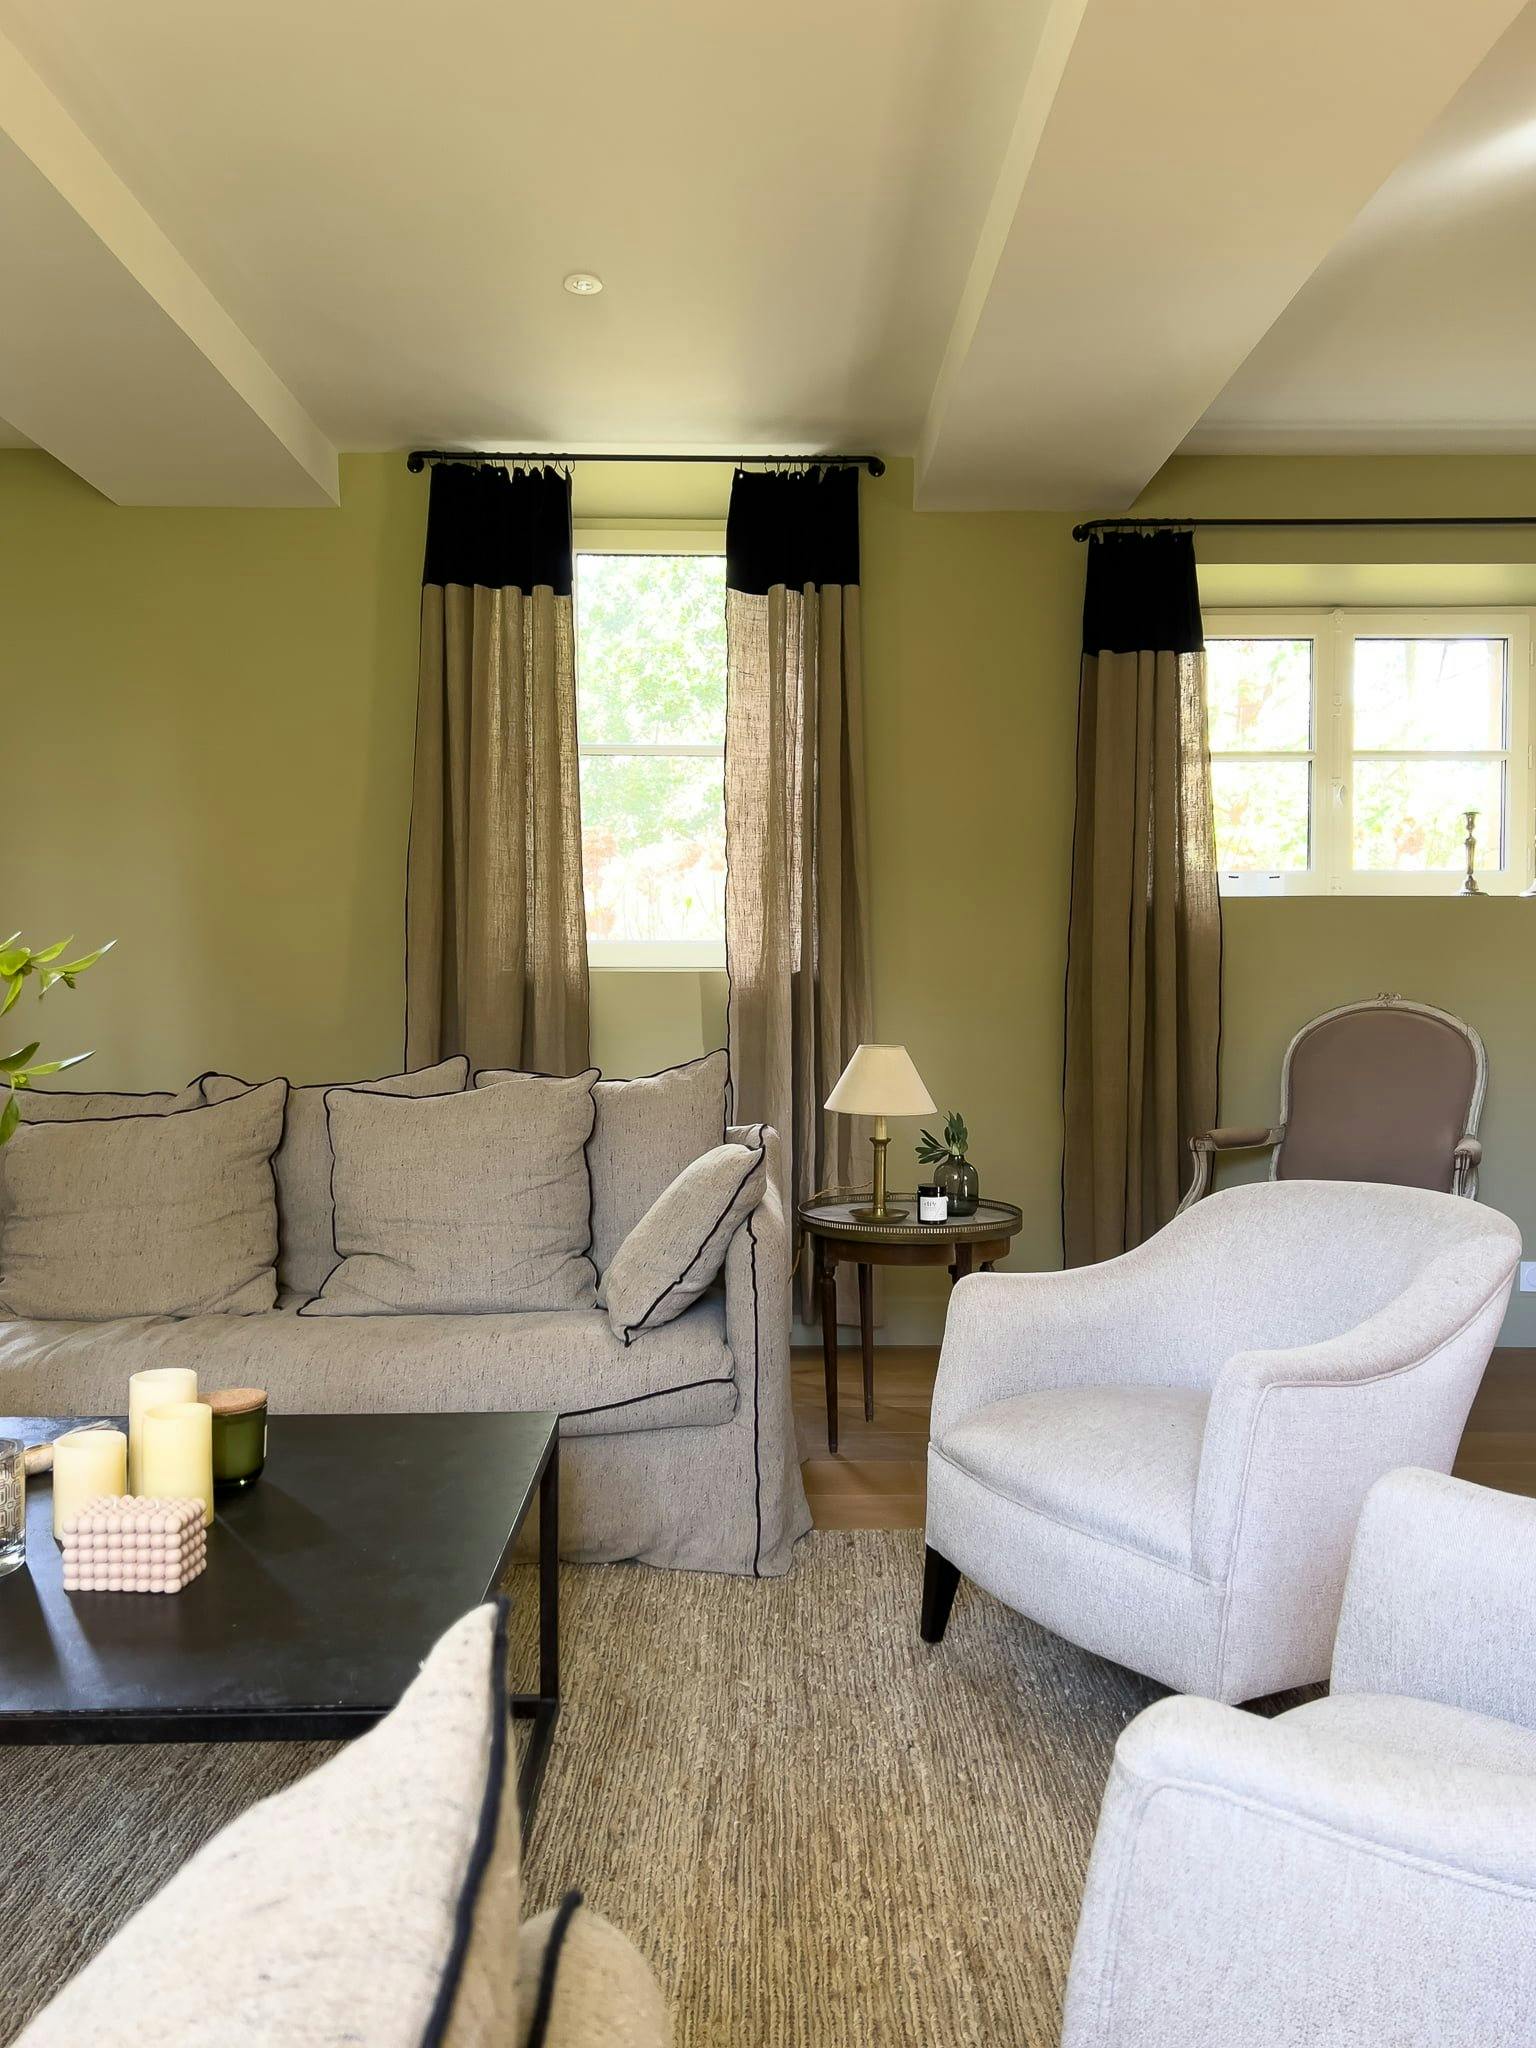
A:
(1469, 886)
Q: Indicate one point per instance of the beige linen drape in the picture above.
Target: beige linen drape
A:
(1143, 1017)
(797, 896)
(496, 961)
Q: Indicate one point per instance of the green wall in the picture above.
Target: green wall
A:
(208, 735)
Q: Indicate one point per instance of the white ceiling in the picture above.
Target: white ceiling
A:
(1030, 240)
(1416, 332)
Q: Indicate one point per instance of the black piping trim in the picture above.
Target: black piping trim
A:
(754, 1161)
(659, 1394)
(361, 1088)
(538, 2026)
(757, 1468)
(483, 1848)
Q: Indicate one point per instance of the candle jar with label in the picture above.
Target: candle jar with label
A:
(239, 1437)
(932, 1204)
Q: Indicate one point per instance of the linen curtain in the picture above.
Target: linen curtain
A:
(797, 888)
(1143, 1023)
(496, 946)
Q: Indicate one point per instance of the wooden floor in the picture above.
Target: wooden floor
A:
(876, 1480)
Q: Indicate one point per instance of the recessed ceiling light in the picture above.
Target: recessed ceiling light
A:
(584, 283)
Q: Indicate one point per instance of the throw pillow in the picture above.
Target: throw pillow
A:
(306, 1244)
(375, 1901)
(150, 1215)
(582, 1984)
(679, 1245)
(461, 1204)
(647, 1131)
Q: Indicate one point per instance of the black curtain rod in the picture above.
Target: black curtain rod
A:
(420, 457)
(1090, 527)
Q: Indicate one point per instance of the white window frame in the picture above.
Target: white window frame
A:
(1332, 633)
(649, 537)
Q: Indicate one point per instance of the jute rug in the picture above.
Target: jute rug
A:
(822, 1833)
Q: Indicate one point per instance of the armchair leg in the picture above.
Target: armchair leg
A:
(940, 1579)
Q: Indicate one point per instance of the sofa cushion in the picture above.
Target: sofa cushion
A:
(157, 1214)
(67, 1105)
(306, 1245)
(679, 1245)
(461, 1204)
(569, 1360)
(1424, 1730)
(1118, 1462)
(646, 1132)
(376, 1900)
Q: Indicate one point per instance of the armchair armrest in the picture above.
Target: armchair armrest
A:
(1226, 1138)
(1439, 1601)
(1245, 1868)
(1117, 1322)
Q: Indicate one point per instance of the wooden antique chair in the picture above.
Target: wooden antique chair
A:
(1378, 1091)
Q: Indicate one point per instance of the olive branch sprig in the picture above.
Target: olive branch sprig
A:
(18, 965)
(953, 1145)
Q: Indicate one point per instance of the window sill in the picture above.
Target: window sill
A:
(612, 958)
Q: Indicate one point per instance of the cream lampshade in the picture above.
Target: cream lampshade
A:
(880, 1081)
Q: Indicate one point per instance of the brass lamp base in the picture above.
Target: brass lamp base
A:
(879, 1211)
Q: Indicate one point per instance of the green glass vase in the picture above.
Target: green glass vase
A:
(958, 1179)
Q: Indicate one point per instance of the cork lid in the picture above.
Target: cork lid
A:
(237, 1400)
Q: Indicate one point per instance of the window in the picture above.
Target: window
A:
(1348, 746)
(650, 707)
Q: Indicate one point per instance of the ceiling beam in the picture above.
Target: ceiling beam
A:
(1176, 174)
(114, 355)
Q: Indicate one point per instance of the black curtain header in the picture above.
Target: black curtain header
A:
(499, 528)
(793, 527)
(1142, 593)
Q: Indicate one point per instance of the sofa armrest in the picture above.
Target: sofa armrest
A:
(757, 1329)
(1244, 1867)
(1438, 1602)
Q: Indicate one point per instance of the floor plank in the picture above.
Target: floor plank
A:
(876, 1480)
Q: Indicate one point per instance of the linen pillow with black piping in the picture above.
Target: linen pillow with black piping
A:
(375, 1901)
(69, 1106)
(676, 1249)
(161, 1214)
(647, 1131)
(470, 1204)
(305, 1239)
(581, 1984)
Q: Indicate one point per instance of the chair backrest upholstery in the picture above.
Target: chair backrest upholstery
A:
(1269, 1266)
(1380, 1091)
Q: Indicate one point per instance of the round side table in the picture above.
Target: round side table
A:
(965, 1244)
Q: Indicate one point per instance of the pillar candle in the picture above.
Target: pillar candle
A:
(176, 1454)
(153, 1389)
(88, 1464)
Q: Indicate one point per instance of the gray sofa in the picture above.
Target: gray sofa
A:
(679, 1447)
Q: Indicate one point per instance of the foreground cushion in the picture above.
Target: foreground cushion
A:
(646, 1132)
(72, 1105)
(676, 1249)
(376, 1901)
(306, 1249)
(581, 1984)
(156, 1214)
(461, 1204)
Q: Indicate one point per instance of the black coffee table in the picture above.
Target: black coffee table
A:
(327, 1583)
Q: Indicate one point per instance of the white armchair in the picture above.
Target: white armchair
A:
(1163, 1457)
(1361, 1871)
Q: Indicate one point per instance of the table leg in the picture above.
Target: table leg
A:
(543, 1707)
(826, 1273)
(867, 1336)
(962, 1266)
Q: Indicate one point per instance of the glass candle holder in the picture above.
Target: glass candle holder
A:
(13, 1505)
(239, 1437)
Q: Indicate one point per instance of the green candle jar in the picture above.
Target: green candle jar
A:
(239, 1437)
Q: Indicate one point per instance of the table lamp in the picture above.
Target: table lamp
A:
(880, 1081)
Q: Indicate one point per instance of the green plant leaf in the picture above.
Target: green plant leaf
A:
(50, 952)
(13, 990)
(14, 960)
(86, 960)
(10, 1116)
(15, 1062)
